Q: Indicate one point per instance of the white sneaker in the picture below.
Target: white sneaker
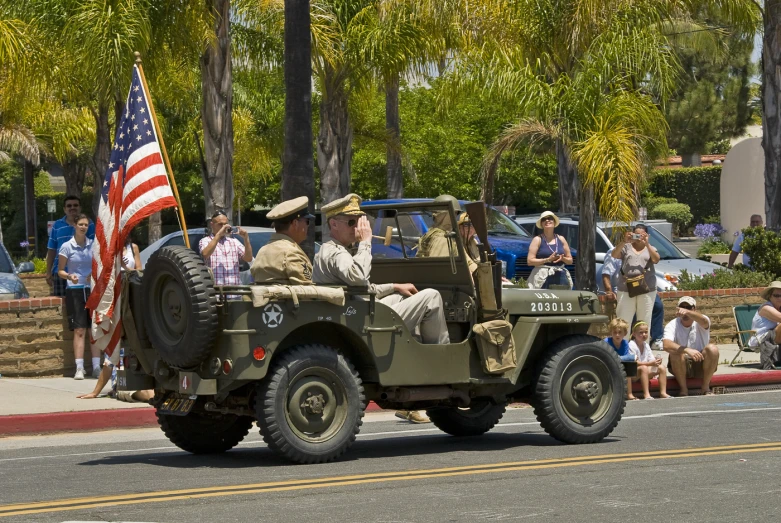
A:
(79, 374)
(96, 372)
(657, 345)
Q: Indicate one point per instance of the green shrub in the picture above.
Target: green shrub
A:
(724, 279)
(698, 187)
(764, 249)
(713, 246)
(40, 265)
(678, 214)
(651, 201)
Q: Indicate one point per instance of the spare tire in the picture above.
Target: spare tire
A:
(180, 306)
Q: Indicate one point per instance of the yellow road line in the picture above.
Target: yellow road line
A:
(337, 481)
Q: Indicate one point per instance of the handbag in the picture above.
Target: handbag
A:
(637, 286)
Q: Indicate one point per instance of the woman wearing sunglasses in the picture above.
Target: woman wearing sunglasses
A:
(767, 327)
(548, 254)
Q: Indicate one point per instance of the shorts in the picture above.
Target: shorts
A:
(58, 286)
(75, 304)
(693, 368)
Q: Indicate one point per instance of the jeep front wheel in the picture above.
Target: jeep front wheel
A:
(310, 407)
(477, 419)
(580, 391)
(204, 433)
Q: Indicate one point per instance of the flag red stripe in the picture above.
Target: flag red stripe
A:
(141, 189)
(141, 164)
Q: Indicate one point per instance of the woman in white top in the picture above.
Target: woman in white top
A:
(131, 258)
(767, 327)
(548, 254)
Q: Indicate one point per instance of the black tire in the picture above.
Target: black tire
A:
(310, 406)
(204, 433)
(587, 415)
(180, 310)
(477, 419)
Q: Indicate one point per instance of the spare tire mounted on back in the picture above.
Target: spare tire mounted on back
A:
(181, 306)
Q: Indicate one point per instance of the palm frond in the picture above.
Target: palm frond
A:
(18, 139)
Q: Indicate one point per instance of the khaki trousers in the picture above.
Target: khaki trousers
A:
(424, 309)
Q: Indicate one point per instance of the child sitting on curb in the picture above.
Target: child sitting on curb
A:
(648, 365)
(618, 330)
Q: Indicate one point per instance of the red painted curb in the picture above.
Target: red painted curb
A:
(745, 379)
(86, 420)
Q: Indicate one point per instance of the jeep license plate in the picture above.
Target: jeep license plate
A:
(176, 406)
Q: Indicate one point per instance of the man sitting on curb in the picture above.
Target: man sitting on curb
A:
(687, 339)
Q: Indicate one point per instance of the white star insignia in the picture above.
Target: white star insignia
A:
(146, 121)
(110, 165)
(138, 137)
(129, 146)
(133, 117)
(135, 126)
(138, 99)
(142, 110)
(116, 146)
(121, 135)
(135, 88)
(105, 184)
(121, 147)
(148, 132)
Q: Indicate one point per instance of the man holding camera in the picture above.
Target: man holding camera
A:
(222, 252)
(687, 340)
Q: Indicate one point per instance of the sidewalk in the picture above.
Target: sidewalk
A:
(42, 405)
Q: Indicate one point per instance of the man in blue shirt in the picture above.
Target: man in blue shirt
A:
(62, 231)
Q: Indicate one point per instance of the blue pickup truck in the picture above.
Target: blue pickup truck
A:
(510, 241)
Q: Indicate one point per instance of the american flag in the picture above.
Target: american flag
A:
(135, 186)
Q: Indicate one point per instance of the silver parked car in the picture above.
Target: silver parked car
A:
(11, 286)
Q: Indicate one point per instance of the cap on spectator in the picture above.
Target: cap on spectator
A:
(688, 300)
(349, 205)
(548, 213)
(289, 210)
(769, 291)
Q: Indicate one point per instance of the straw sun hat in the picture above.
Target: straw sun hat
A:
(547, 213)
(767, 292)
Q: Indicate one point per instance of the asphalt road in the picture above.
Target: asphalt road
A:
(688, 459)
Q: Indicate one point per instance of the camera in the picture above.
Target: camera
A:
(234, 230)
(636, 236)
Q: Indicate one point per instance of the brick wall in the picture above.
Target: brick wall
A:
(715, 303)
(35, 340)
(36, 285)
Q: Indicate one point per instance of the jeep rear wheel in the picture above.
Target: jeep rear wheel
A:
(180, 312)
(204, 433)
(477, 419)
(580, 390)
(310, 407)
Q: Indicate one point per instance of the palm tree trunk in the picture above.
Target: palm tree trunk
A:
(771, 111)
(585, 265)
(489, 179)
(101, 154)
(74, 173)
(216, 110)
(393, 131)
(298, 178)
(568, 180)
(334, 141)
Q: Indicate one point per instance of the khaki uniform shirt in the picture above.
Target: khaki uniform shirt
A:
(433, 244)
(335, 265)
(283, 261)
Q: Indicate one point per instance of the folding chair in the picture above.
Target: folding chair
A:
(744, 315)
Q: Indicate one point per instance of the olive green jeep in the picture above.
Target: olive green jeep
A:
(305, 361)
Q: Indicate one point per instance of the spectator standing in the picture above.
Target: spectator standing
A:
(637, 281)
(737, 247)
(687, 340)
(611, 273)
(767, 327)
(648, 364)
(223, 253)
(62, 231)
(75, 268)
(548, 254)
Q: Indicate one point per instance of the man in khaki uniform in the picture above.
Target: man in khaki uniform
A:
(282, 260)
(434, 244)
(336, 265)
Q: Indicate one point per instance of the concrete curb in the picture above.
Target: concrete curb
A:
(744, 379)
(88, 420)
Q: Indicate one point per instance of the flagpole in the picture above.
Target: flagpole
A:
(165, 152)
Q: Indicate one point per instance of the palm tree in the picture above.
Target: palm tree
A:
(583, 77)
(771, 110)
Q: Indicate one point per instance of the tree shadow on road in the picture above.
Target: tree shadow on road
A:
(365, 448)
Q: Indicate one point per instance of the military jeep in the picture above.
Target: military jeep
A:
(305, 361)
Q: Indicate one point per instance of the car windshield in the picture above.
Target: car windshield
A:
(5, 262)
(502, 225)
(666, 249)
